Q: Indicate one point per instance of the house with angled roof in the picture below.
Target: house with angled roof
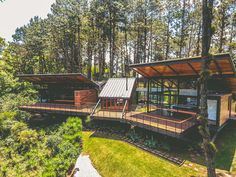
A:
(118, 92)
(164, 98)
(70, 93)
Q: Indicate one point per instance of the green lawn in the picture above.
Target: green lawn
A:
(114, 158)
(226, 145)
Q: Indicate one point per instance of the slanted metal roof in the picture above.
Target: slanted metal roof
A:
(116, 88)
(221, 64)
(62, 78)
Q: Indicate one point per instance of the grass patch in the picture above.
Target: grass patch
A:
(115, 158)
(226, 145)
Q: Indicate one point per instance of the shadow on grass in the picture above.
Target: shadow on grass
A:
(186, 150)
(226, 145)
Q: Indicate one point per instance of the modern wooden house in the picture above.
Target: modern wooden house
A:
(71, 93)
(164, 97)
(167, 95)
(172, 85)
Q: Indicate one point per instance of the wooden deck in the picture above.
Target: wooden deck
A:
(150, 121)
(59, 108)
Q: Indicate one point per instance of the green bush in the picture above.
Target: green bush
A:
(72, 129)
(151, 143)
(11, 103)
(165, 146)
(133, 136)
(65, 144)
(6, 122)
(27, 139)
(31, 152)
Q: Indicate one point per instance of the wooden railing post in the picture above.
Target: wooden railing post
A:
(94, 109)
(124, 110)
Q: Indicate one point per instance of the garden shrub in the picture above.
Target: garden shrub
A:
(6, 122)
(133, 136)
(165, 146)
(38, 152)
(65, 144)
(151, 143)
(72, 129)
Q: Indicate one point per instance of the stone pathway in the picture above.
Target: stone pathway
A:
(85, 167)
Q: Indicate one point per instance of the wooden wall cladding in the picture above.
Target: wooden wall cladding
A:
(224, 108)
(85, 96)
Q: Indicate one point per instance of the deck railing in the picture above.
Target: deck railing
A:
(136, 116)
(108, 114)
(60, 108)
(159, 123)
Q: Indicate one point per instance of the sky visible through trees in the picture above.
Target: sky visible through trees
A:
(98, 37)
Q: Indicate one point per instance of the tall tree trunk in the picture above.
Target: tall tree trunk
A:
(150, 42)
(111, 66)
(207, 144)
(79, 48)
(198, 40)
(102, 55)
(182, 35)
(114, 47)
(222, 27)
(145, 34)
(89, 55)
(138, 59)
(126, 62)
(190, 40)
(167, 37)
(231, 36)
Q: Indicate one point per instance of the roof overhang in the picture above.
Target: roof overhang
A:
(62, 78)
(221, 64)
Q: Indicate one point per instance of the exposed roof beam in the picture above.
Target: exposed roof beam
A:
(142, 73)
(172, 69)
(194, 70)
(158, 72)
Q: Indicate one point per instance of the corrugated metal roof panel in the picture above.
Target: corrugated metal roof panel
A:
(116, 88)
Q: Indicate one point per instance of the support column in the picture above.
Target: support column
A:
(169, 98)
(111, 103)
(198, 96)
(106, 103)
(157, 94)
(101, 103)
(178, 85)
(148, 99)
(162, 95)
